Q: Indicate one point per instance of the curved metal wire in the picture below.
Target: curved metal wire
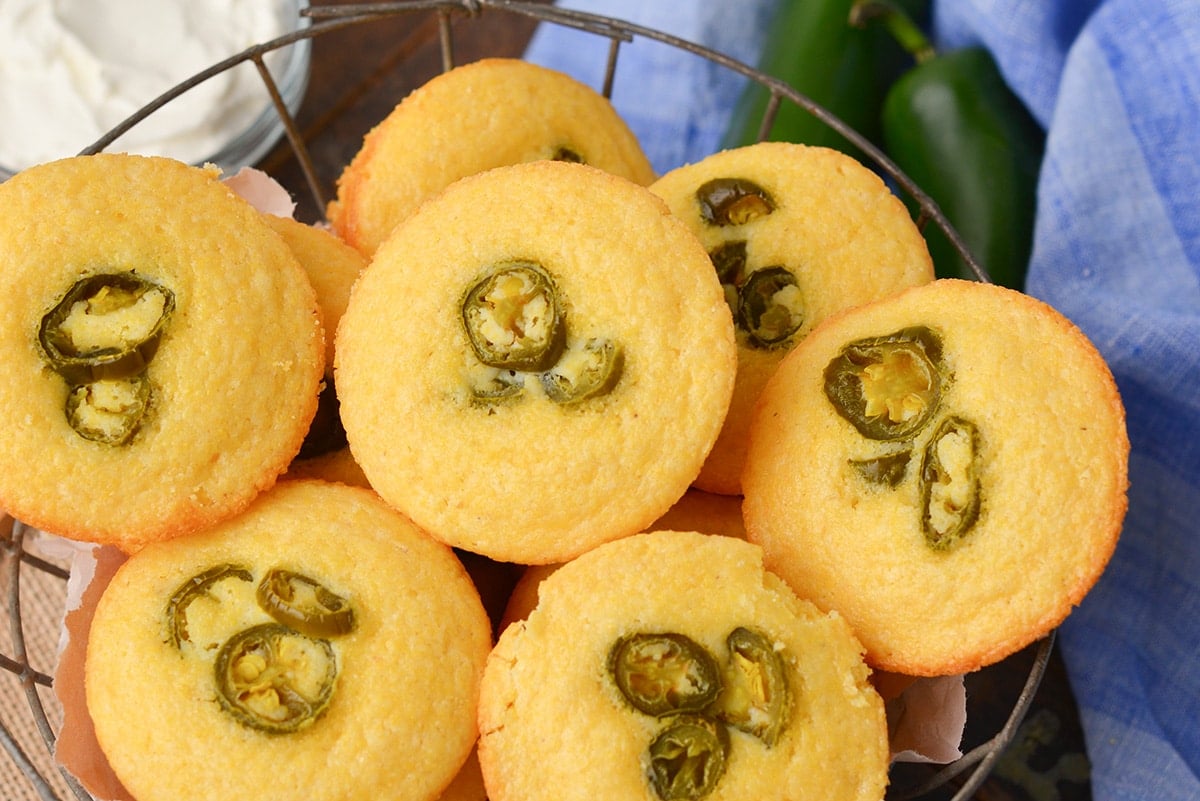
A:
(979, 760)
(13, 538)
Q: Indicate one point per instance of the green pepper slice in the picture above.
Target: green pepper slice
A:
(304, 604)
(888, 470)
(733, 201)
(756, 699)
(512, 317)
(770, 307)
(729, 260)
(108, 320)
(950, 488)
(110, 410)
(275, 680)
(564, 153)
(688, 758)
(196, 587)
(887, 387)
(585, 370)
(491, 385)
(664, 674)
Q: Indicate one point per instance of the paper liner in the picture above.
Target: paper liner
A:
(261, 191)
(77, 749)
(926, 716)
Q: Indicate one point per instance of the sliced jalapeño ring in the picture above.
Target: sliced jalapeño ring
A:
(106, 320)
(664, 673)
(512, 317)
(888, 387)
(274, 679)
(304, 604)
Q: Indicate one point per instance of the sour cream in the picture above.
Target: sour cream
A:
(71, 70)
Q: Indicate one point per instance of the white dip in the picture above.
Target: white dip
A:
(70, 70)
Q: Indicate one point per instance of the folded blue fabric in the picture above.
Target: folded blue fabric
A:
(1117, 249)
(677, 103)
(1116, 84)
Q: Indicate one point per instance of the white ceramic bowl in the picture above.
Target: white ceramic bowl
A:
(227, 119)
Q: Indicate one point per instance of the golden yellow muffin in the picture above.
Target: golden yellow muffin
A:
(946, 468)
(535, 362)
(332, 267)
(670, 641)
(317, 646)
(162, 349)
(338, 466)
(705, 512)
(696, 510)
(796, 233)
(485, 114)
(708, 512)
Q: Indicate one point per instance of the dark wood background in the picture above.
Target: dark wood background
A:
(360, 72)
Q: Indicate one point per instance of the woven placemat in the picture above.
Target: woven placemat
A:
(39, 615)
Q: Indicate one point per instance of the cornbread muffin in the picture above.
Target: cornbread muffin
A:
(485, 114)
(946, 468)
(317, 646)
(796, 233)
(332, 267)
(338, 466)
(667, 641)
(535, 362)
(705, 512)
(162, 349)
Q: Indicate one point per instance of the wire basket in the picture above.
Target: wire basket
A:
(35, 587)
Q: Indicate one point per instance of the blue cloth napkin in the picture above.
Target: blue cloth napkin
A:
(1117, 249)
(1116, 84)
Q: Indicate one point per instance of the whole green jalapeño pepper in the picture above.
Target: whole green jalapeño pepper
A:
(846, 70)
(954, 127)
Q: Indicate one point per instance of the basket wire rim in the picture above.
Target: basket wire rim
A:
(324, 19)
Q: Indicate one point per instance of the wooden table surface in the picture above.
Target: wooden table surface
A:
(359, 73)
